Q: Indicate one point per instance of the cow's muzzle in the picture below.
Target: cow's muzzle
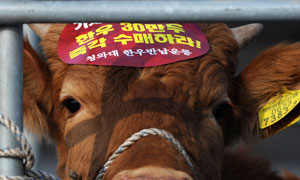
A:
(152, 173)
(135, 137)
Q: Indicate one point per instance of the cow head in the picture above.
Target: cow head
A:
(90, 110)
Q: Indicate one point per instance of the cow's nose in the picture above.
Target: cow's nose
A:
(152, 173)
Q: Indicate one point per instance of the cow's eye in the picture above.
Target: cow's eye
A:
(221, 110)
(72, 105)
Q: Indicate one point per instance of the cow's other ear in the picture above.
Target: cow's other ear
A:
(267, 91)
(36, 96)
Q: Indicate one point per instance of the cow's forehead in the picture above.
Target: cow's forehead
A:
(178, 82)
(207, 75)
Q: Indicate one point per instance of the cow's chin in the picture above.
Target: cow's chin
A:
(152, 173)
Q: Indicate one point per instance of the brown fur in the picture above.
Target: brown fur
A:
(35, 93)
(241, 165)
(119, 101)
(267, 75)
(289, 176)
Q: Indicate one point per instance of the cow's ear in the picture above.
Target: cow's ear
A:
(36, 96)
(40, 29)
(268, 91)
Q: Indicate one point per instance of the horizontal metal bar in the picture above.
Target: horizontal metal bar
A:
(113, 11)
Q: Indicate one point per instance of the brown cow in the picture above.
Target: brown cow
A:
(90, 110)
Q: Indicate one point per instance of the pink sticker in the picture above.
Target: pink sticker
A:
(131, 44)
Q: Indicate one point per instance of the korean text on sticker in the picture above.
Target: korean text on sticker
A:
(131, 44)
(278, 107)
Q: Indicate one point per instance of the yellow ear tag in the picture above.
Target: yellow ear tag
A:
(278, 107)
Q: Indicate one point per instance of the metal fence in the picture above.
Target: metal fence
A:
(15, 13)
(67, 11)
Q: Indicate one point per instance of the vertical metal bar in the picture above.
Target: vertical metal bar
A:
(11, 92)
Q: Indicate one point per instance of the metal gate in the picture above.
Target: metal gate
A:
(15, 13)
